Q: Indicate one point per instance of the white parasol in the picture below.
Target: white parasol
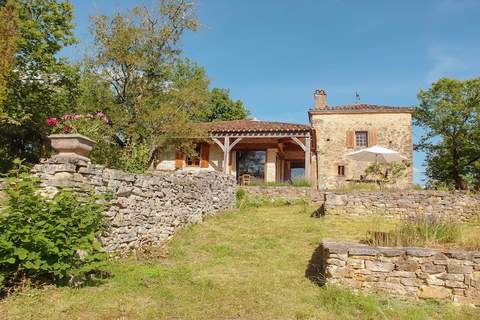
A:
(376, 154)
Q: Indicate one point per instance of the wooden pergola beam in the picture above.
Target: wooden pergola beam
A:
(226, 146)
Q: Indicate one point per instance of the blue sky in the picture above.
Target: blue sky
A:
(273, 54)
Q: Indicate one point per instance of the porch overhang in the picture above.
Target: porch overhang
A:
(228, 134)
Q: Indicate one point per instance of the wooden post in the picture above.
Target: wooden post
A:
(226, 154)
(308, 158)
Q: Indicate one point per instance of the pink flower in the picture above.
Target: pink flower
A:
(72, 116)
(102, 116)
(52, 121)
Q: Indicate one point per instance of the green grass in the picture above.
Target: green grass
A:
(246, 264)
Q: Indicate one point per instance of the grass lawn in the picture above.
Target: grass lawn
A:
(247, 264)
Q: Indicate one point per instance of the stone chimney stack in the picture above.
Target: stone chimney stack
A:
(320, 97)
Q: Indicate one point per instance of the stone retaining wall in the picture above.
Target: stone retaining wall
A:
(144, 209)
(456, 206)
(410, 272)
(282, 192)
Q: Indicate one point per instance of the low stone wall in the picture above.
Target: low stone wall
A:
(409, 272)
(144, 209)
(456, 206)
(281, 192)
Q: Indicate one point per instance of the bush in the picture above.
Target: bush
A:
(417, 230)
(300, 182)
(47, 240)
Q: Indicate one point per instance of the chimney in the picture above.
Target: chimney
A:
(320, 97)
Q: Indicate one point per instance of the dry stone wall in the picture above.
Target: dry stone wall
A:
(280, 192)
(455, 206)
(144, 209)
(411, 272)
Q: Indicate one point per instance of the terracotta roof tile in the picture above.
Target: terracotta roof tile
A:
(361, 108)
(253, 126)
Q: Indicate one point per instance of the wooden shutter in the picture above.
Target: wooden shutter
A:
(350, 139)
(179, 160)
(204, 155)
(372, 137)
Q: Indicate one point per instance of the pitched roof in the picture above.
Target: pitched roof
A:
(252, 126)
(361, 108)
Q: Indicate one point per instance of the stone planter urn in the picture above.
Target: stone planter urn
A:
(71, 146)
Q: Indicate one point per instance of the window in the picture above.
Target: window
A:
(194, 161)
(341, 171)
(251, 163)
(361, 139)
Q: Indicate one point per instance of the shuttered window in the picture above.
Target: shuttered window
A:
(341, 170)
(204, 155)
(361, 139)
(179, 160)
(350, 139)
(372, 137)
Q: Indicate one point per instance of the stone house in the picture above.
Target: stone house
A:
(279, 151)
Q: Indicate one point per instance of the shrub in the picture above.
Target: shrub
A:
(47, 240)
(300, 182)
(417, 230)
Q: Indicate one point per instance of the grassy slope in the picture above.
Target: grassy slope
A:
(239, 265)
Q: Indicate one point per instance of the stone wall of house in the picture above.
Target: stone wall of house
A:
(456, 206)
(410, 272)
(144, 209)
(393, 131)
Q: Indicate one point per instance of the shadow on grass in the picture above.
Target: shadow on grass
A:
(21, 282)
(315, 271)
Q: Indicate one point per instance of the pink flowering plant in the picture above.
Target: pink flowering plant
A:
(91, 125)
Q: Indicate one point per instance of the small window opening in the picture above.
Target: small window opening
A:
(341, 171)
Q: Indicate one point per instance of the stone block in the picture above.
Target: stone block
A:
(460, 255)
(336, 262)
(379, 266)
(407, 265)
(404, 274)
(453, 268)
(451, 276)
(434, 292)
(455, 284)
(411, 282)
(340, 256)
(362, 251)
(431, 280)
(356, 263)
(391, 252)
(420, 252)
(433, 268)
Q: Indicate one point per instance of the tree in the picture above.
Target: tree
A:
(40, 84)
(449, 112)
(155, 92)
(8, 36)
(222, 107)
